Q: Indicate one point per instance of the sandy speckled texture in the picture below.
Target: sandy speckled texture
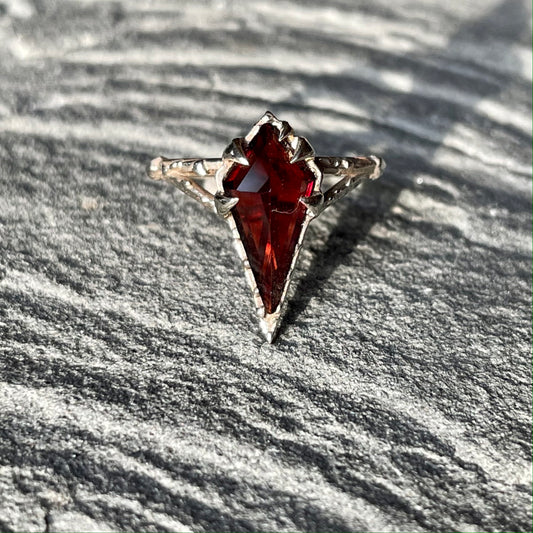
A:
(136, 393)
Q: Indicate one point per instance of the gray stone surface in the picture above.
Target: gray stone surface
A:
(136, 393)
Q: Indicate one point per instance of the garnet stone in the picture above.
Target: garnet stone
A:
(269, 215)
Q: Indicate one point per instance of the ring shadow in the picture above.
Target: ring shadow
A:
(354, 222)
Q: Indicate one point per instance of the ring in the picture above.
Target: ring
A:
(268, 187)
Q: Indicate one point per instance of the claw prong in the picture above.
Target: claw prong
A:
(224, 204)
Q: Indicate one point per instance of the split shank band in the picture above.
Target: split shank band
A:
(187, 174)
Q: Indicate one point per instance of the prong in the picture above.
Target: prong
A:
(268, 117)
(302, 150)
(285, 130)
(235, 152)
(269, 326)
(224, 204)
(314, 203)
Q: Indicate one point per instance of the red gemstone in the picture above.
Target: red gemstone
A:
(269, 216)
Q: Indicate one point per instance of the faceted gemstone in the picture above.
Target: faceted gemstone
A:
(269, 216)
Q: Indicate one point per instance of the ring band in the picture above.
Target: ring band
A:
(185, 173)
(268, 187)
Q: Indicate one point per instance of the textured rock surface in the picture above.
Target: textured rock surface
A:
(136, 393)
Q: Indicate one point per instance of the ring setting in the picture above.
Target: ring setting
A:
(269, 185)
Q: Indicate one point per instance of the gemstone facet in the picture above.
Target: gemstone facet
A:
(269, 215)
